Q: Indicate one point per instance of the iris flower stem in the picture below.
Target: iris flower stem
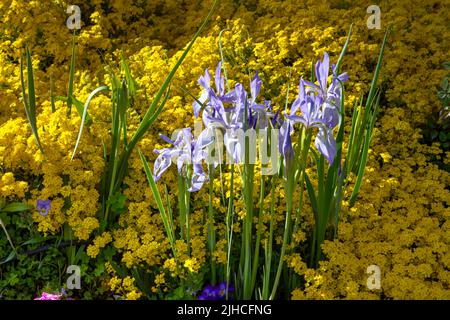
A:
(181, 204)
(248, 193)
(258, 233)
(269, 245)
(8, 237)
(186, 203)
(305, 143)
(321, 221)
(248, 176)
(292, 172)
(114, 162)
(229, 223)
(211, 231)
(183, 200)
(287, 225)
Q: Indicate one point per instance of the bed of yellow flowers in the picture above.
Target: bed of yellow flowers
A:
(400, 222)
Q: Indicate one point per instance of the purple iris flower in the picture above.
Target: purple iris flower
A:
(43, 206)
(326, 144)
(285, 144)
(313, 116)
(331, 95)
(320, 106)
(322, 69)
(261, 113)
(231, 119)
(255, 87)
(185, 151)
(208, 93)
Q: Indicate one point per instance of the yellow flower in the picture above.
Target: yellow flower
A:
(192, 265)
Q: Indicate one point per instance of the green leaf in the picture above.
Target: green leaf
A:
(80, 109)
(17, 207)
(442, 136)
(222, 58)
(131, 83)
(312, 195)
(376, 73)
(71, 78)
(10, 257)
(434, 134)
(30, 103)
(37, 239)
(117, 202)
(99, 269)
(123, 105)
(361, 169)
(186, 91)
(80, 255)
(7, 236)
(344, 50)
(149, 117)
(158, 199)
(444, 84)
(61, 98)
(83, 118)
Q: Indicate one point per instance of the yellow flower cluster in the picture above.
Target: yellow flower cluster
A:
(400, 221)
(125, 288)
(99, 242)
(9, 186)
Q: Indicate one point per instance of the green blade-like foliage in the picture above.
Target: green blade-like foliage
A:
(9, 258)
(16, 207)
(312, 195)
(131, 83)
(123, 105)
(71, 79)
(373, 85)
(367, 125)
(344, 50)
(148, 119)
(80, 109)
(30, 101)
(83, 118)
(157, 196)
(364, 153)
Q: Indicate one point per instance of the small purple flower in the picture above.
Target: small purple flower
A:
(209, 293)
(217, 292)
(43, 206)
(222, 289)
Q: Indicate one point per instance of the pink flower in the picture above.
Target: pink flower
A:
(49, 296)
